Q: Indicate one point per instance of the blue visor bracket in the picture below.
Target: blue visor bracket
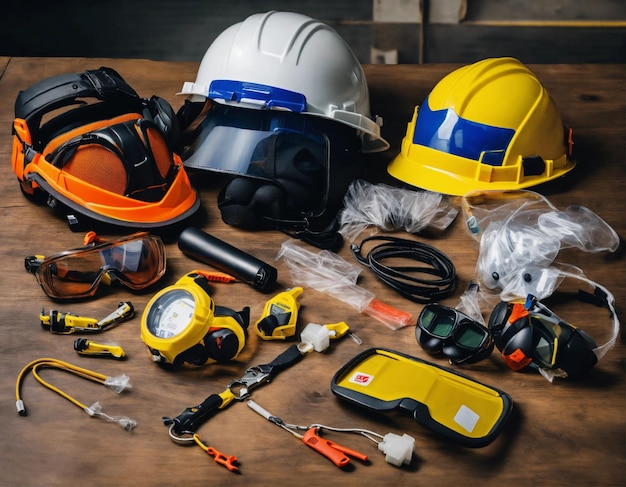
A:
(445, 131)
(231, 90)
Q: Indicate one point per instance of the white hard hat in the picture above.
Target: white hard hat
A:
(289, 61)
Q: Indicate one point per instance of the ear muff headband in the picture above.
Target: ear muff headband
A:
(574, 351)
(75, 157)
(116, 98)
(601, 297)
(56, 92)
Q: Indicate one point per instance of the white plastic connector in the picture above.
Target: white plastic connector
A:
(317, 335)
(118, 383)
(398, 449)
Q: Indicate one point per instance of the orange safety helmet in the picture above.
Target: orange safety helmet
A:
(96, 149)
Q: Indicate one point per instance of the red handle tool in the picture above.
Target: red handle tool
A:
(336, 453)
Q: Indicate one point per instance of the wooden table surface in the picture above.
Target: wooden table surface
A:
(565, 433)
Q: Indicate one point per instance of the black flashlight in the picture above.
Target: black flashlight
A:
(211, 250)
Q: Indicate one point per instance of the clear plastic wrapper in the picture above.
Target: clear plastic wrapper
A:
(328, 273)
(118, 383)
(388, 208)
(480, 208)
(95, 410)
(579, 227)
(476, 303)
(521, 232)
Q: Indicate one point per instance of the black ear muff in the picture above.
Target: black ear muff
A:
(164, 117)
(514, 340)
(246, 202)
(497, 321)
(513, 329)
(575, 353)
(519, 346)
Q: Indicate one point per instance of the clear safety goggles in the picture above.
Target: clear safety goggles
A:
(136, 261)
(445, 330)
(445, 131)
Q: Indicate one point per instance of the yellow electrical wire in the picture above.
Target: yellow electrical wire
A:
(60, 365)
(199, 442)
(94, 410)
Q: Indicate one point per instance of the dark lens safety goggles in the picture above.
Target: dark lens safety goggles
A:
(136, 261)
(447, 331)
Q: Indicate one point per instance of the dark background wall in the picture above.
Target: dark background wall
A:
(535, 31)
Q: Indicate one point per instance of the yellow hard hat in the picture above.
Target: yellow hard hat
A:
(488, 125)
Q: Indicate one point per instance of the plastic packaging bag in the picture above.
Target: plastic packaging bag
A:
(328, 273)
(388, 208)
(520, 232)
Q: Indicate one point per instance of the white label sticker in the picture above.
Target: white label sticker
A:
(466, 418)
(361, 379)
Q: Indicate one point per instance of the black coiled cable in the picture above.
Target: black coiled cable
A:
(412, 282)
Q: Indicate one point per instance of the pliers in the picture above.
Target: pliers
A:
(338, 454)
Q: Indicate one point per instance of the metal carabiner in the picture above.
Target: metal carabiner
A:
(253, 377)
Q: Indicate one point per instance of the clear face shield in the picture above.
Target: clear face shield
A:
(289, 169)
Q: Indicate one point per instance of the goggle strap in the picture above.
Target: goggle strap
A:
(32, 263)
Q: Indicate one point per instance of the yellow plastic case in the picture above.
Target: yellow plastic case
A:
(442, 400)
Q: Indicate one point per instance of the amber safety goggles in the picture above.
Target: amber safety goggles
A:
(136, 261)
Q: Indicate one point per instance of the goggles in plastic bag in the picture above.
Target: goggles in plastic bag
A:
(445, 330)
(519, 230)
(136, 261)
